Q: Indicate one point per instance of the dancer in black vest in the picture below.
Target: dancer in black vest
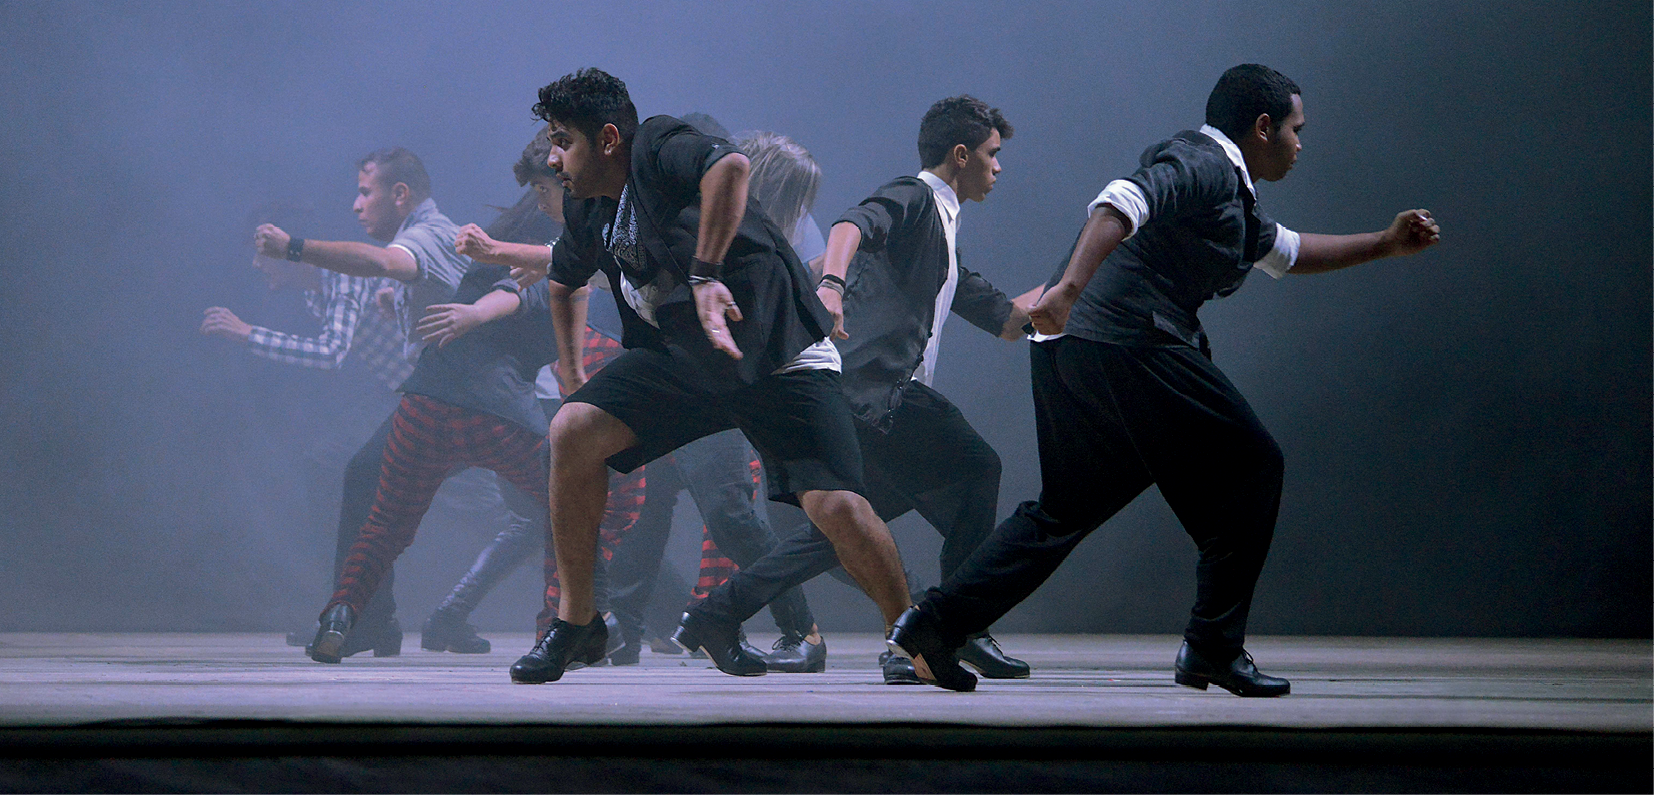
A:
(1126, 395)
(918, 450)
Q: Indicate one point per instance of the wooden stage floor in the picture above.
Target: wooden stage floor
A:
(173, 712)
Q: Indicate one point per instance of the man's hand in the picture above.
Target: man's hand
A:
(385, 299)
(444, 323)
(1050, 312)
(527, 274)
(271, 241)
(474, 243)
(221, 322)
(1411, 232)
(1020, 307)
(716, 308)
(834, 302)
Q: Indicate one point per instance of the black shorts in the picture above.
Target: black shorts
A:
(798, 422)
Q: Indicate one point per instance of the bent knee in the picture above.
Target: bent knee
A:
(831, 510)
(581, 431)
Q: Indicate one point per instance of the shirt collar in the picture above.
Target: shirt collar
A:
(424, 210)
(1233, 151)
(945, 197)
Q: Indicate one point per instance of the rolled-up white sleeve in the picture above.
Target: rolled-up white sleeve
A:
(1283, 255)
(1125, 196)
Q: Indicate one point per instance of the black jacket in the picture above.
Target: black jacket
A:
(890, 298)
(782, 315)
(1203, 234)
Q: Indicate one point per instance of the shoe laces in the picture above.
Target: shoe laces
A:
(787, 643)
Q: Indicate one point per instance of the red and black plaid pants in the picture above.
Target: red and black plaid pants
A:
(430, 440)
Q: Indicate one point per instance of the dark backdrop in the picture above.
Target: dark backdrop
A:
(1467, 432)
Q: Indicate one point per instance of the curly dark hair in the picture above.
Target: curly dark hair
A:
(587, 100)
(395, 165)
(1246, 92)
(957, 120)
(533, 162)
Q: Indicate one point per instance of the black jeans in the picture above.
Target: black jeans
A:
(1112, 420)
(716, 470)
(932, 461)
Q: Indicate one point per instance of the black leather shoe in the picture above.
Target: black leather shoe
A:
(1239, 676)
(792, 654)
(382, 640)
(616, 640)
(564, 647)
(916, 634)
(898, 670)
(448, 632)
(983, 654)
(329, 645)
(721, 643)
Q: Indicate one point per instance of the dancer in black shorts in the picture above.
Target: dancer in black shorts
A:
(723, 329)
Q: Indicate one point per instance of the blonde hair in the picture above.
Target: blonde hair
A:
(784, 178)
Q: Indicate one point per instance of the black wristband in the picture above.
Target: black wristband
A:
(828, 277)
(295, 249)
(702, 269)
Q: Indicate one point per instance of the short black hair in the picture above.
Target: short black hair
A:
(957, 120)
(533, 162)
(395, 165)
(587, 100)
(1246, 92)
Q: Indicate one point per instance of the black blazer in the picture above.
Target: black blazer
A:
(890, 297)
(782, 315)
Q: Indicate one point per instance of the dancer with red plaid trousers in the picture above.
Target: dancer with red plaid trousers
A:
(469, 403)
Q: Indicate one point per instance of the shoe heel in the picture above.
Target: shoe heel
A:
(1190, 680)
(327, 647)
(896, 649)
(389, 647)
(685, 640)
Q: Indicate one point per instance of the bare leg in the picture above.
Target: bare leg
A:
(582, 438)
(864, 546)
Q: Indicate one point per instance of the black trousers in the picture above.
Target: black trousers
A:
(1111, 421)
(932, 461)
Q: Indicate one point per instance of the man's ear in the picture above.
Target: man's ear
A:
(400, 193)
(611, 138)
(1263, 128)
(961, 155)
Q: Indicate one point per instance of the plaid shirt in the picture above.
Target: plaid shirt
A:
(350, 322)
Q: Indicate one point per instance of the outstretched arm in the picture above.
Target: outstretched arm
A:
(723, 202)
(528, 263)
(1412, 231)
(444, 323)
(347, 257)
(1103, 231)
